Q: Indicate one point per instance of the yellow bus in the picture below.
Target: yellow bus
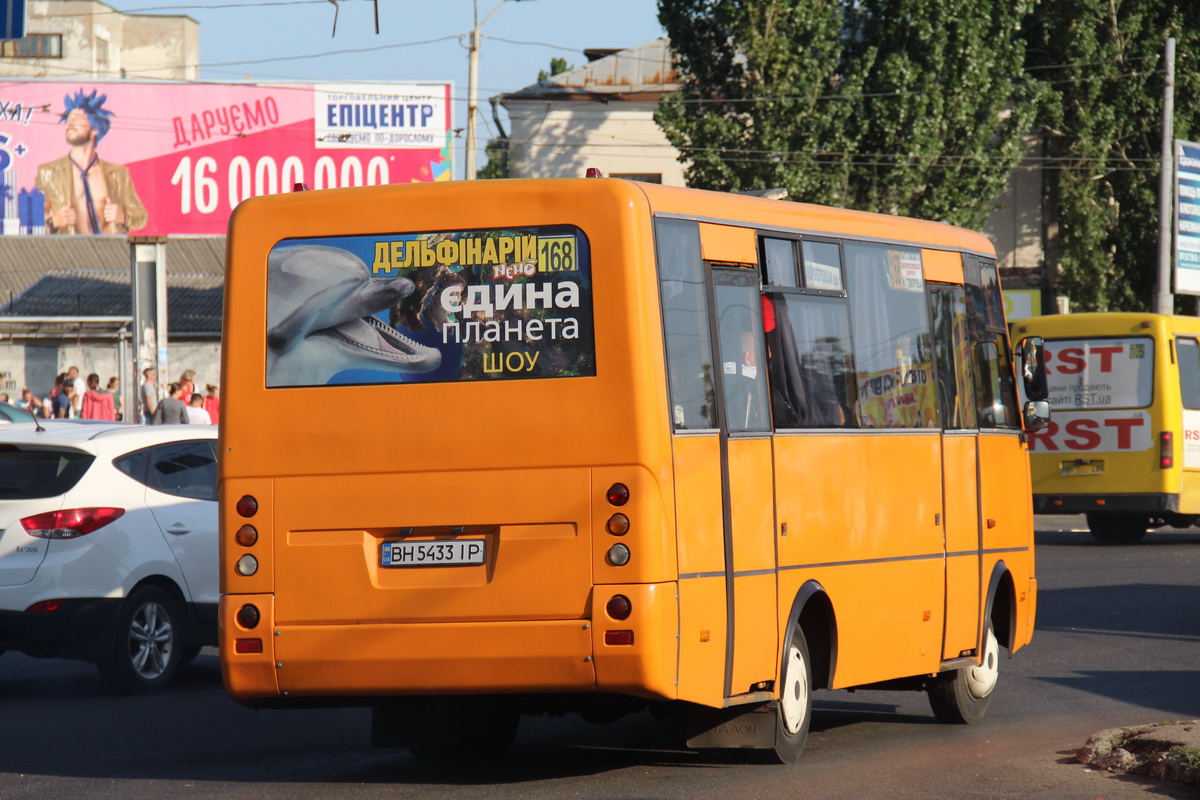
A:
(516, 447)
(1124, 444)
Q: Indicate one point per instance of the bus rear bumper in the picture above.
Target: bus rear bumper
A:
(1083, 503)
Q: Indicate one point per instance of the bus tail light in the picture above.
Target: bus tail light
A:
(247, 565)
(248, 646)
(618, 494)
(618, 637)
(619, 607)
(617, 525)
(617, 555)
(247, 506)
(246, 536)
(248, 617)
(1166, 450)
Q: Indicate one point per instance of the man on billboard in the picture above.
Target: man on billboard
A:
(83, 193)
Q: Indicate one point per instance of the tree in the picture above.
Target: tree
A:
(1102, 65)
(914, 107)
(497, 149)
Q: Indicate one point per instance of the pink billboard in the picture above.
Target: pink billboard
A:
(157, 159)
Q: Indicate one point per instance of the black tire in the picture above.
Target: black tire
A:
(1118, 528)
(962, 696)
(147, 643)
(793, 709)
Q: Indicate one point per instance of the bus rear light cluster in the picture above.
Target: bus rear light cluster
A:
(618, 525)
(246, 536)
(1166, 450)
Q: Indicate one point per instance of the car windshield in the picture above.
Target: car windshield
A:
(27, 474)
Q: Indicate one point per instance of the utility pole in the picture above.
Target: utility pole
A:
(473, 86)
(1164, 300)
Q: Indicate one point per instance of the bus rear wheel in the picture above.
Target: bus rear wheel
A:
(1117, 528)
(793, 710)
(962, 696)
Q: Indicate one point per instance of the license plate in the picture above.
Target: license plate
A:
(456, 553)
(1084, 468)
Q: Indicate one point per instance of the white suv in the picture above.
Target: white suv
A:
(109, 545)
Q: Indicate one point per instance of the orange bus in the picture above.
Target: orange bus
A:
(516, 447)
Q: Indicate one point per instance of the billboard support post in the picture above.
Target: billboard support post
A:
(148, 267)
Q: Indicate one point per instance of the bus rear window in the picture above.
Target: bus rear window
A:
(1100, 373)
(477, 305)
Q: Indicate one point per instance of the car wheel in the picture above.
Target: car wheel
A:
(962, 696)
(146, 644)
(1118, 528)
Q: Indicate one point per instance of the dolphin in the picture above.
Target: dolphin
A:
(321, 303)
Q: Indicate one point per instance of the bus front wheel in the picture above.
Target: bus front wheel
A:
(1117, 528)
(793, 711)
(962, 696)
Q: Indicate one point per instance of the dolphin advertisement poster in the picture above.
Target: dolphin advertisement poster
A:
(156, 159)
(474, 305)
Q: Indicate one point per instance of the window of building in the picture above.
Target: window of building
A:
(34, 45)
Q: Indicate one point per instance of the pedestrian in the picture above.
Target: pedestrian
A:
(30, 402)
(149, 394)
(196, 413)
(171, 411)
(114, 388)
(96, 403)
(212, 404)
(80, 387)
(187, 385)
(61, 396)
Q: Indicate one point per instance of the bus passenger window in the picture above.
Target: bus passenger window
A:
(739, 325)
(1189, 372)
(811, 364)
(685, 325)
(893, 352)
(779, 256)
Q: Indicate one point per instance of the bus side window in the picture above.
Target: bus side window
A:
(1189, 372)
(685, 324)
(893, 350)
(812, 366)
(739, 325)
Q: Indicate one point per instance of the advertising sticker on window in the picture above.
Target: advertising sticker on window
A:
(477, 305)
(1100, 373)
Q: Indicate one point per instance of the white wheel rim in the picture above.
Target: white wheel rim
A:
(793, 700)
(981, 679)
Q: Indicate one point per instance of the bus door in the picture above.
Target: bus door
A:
(747, 479)
(960, 466)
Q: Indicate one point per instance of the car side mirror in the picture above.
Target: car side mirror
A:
(1033, 368)
(1036, 414)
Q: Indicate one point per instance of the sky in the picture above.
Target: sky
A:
(293, 40)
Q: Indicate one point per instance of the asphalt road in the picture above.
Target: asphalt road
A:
(1117, 643)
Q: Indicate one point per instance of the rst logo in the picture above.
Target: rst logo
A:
(1095, 432)
(1074, 360)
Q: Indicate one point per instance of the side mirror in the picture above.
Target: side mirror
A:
(1033, 368)
(1037, 414)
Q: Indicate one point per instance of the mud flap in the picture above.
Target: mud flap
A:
(733, 728)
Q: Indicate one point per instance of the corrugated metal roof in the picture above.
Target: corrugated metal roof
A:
(42, 276)
(639, 72)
